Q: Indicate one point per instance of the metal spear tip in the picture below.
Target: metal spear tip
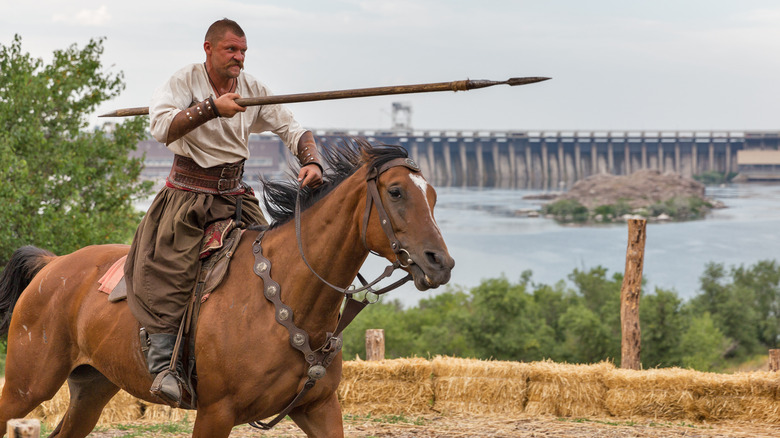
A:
(523, 81)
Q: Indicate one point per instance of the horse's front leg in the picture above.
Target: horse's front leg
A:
(213, 421)
(321, 420)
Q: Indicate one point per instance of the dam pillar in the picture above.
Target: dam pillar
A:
(728, 157)
(627, 158)
(498, 175)
(545, 165)
(480, 166)
(447, 163)
(577, 162)
(464, 164)
(677, 164)
(513, 174)
(432, 163)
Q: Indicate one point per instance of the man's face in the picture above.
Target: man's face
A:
(227, 55)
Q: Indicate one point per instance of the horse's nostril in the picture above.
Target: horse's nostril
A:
(433, 258)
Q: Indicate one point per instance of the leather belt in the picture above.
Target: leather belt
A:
(186, 174)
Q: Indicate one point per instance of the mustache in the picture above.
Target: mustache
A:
(238, 63)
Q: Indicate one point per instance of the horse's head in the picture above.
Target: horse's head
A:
(401, 225)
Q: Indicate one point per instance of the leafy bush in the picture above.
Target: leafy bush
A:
(567, 210)
(713, 177)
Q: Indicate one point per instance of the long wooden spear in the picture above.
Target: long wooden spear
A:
(358, 92)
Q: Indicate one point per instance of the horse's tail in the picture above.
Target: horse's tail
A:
(25, 263)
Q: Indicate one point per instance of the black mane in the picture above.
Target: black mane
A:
(341, 159)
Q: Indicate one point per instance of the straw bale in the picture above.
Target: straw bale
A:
(567, 390)
(121, 409)
(164, 413)
(398, 386)
(471, 386)
(674, 393)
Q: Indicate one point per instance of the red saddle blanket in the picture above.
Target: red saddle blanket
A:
(213, 240)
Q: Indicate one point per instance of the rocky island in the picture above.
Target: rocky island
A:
(647, 193)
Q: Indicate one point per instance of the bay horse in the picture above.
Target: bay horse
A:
(63, 328)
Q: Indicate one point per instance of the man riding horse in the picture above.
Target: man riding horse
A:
(195, 114)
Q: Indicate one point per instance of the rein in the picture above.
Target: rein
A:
(322, 357)
(372, 197)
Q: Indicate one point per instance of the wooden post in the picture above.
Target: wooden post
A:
(24, 428)
(774, 360)
(375, 344)
(629, 296)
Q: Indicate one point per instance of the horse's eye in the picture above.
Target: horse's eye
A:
(395, 192)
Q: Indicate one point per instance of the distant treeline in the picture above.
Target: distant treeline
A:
(734, 317)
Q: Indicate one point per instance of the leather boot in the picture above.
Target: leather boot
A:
(166, 384)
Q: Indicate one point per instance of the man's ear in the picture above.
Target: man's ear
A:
(207, 47)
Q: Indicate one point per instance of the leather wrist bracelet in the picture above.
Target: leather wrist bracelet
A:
(308, 154)
(191, 118)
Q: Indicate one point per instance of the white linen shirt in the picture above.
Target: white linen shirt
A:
(222, 140)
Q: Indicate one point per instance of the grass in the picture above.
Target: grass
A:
(390, 419)
(139, 430)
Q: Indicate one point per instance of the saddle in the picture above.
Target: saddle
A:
(219, 241)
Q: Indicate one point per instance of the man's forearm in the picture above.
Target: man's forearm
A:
(307, 150)
(190, 118)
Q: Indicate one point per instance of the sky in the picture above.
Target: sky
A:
(619, 65)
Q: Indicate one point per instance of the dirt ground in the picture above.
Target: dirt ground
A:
(461, 426)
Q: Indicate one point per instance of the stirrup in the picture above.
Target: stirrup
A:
(165, 393)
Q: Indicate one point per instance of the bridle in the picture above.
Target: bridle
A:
(402, 257)
(322, 357)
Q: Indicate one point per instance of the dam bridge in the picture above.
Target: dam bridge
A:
(557, 159)
(523, 159)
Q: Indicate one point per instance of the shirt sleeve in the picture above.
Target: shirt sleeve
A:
(167, 101)
(277, 119)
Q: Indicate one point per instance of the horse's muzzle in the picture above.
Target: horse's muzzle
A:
(432, 269)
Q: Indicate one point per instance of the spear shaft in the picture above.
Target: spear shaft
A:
(352, 93)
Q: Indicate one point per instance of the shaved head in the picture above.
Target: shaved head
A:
(218, 29)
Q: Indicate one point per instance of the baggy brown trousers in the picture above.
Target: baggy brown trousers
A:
(163, 259)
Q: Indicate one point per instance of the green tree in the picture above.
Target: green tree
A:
(702, 344)
(586, 338)
(389, 316)
(439, 322)
(65, 186)
(763, 279)
(662, 323)
(553, 302)
(601, 296)
(732, 309)
(506, 323)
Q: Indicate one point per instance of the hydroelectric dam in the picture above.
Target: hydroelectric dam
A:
(521, 159)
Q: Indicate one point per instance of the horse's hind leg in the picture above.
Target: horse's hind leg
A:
(90, 391)
(27, 386)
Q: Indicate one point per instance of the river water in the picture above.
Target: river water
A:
(488, 239)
